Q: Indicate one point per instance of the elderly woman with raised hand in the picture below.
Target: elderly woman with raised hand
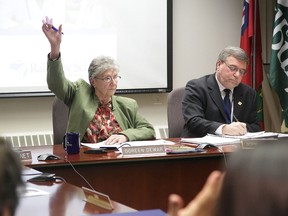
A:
(94, 111)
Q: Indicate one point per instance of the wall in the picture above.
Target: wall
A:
(201, 30)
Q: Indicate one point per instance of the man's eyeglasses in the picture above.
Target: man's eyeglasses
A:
(234, 69)
(109, 79)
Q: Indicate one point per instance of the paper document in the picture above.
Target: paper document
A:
(212, 139)
(282, 135)
(29, 192)
(251, 135)
(228, 139)
(132, 143)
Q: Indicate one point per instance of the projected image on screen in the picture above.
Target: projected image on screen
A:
(134, 32)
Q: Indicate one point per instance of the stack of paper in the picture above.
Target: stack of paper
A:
(253, 135)
(226, 139)
(132, 143)
(212, 139)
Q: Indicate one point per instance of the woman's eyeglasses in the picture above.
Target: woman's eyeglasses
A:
(109, 79)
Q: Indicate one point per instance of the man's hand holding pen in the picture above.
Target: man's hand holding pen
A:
(234, 129)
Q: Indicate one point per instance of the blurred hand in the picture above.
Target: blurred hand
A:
(204, 204)
(234, 129)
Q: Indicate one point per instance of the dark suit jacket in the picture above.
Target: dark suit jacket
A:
(203, 107)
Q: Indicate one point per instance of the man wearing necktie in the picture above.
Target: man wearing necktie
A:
(219, 103)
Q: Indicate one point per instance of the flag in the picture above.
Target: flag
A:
(278, 72)
(247, 32)
(251, 43)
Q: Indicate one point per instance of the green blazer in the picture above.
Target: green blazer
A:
(82, 102)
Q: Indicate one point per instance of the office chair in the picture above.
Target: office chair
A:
(59, 120)
(174, 112)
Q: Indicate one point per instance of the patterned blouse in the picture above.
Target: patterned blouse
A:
(103, 125)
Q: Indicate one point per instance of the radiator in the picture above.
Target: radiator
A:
(29, 139)
(161, 132)
(46, 138)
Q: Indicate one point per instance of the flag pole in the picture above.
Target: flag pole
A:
(254, 46)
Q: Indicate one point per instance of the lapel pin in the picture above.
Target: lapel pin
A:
(239, 103)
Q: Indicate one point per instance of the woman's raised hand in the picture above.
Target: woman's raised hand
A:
(53, 35)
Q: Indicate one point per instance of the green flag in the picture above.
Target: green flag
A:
(278, 72)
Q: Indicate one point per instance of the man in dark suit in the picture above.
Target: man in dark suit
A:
(207, 110)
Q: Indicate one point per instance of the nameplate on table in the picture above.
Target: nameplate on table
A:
(25, 155)
(253, 143)
(97, 198)
(150, 150)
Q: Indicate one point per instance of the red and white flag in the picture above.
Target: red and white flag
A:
(250, 30)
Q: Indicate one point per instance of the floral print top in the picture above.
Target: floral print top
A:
(103, 125)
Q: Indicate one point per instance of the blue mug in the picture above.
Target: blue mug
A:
(71, 142)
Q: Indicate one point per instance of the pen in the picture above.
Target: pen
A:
(55, 29)
(235, 118)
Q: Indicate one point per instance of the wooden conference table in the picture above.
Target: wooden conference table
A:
(141, 183)
(59, 199)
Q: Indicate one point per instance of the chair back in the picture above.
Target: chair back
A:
(59, 120)
(174, 112)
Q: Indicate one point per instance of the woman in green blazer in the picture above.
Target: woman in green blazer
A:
(94, 111)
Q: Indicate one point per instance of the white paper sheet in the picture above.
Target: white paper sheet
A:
(226, 139)
(29, 192)
(132, 143)
(208, 139)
